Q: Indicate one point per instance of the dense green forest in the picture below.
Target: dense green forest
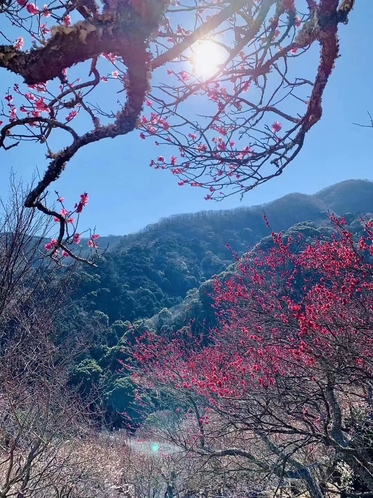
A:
(161, 278)
(142, 273)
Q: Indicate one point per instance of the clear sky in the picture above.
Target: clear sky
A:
(126, 195)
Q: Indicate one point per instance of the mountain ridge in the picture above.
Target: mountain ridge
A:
(328, 199)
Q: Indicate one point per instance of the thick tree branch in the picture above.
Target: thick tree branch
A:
(202, 31)
(125, 122)
(74, 44)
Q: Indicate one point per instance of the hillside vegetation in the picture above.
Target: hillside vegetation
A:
(144, 272)
(160, 278)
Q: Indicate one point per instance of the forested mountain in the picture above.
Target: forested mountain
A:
(352, 195)
(245, 225)
(142, 273)
(160, 278)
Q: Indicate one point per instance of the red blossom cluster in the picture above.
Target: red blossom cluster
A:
(59, 246)
(293, 350)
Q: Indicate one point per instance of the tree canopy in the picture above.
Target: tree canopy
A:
(238, 60)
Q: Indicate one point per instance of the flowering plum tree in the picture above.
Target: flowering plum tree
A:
(285, 386)
(236, 58)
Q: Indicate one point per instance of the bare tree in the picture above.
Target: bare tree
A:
(48, 443)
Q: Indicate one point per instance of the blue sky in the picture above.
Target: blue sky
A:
(126, 195)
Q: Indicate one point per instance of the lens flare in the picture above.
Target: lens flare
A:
(206, 58)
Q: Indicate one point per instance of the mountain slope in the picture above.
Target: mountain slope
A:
(352, 195)
(160, 278)
(156, 267)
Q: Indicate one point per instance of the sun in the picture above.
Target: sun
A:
(206, 58)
